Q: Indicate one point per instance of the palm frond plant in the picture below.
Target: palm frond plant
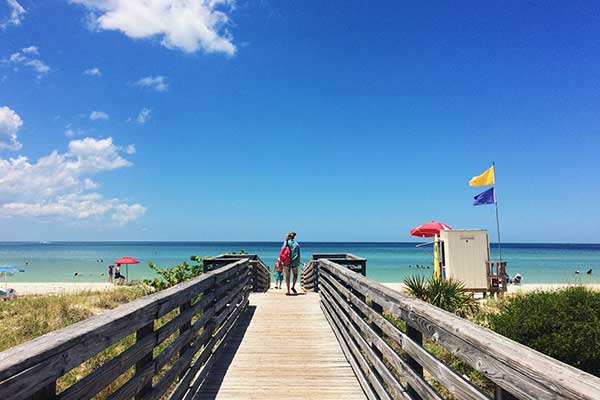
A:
(447, 294)
(417, 287)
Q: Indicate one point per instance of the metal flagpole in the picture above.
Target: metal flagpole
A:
(497, 219)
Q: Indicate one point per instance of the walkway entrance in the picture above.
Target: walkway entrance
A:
(288, 351)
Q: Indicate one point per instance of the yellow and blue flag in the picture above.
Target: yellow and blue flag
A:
(487, 197)
(486, 178)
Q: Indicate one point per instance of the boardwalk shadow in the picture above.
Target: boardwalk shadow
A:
(209, 389)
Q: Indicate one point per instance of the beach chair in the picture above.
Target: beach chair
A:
(8, 293)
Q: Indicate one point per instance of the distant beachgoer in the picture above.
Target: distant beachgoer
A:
(278, 274)
(118, 272)
(110, 272)
(76, 274)
(589, 271)
(292, 268)
(517, 279)
(577, 272)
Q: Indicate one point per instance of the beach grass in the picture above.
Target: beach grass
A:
(27, 317)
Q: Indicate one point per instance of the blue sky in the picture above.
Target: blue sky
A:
(344, 121)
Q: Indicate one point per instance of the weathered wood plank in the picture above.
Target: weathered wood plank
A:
(365, 367)
(93, 383)
(213, 347)
(300, 341)
(455, 383)
(392, 385)
(418, 383)
(523, 371)
(186, 338)
(26, 368)
(208, 341)
(362, 380)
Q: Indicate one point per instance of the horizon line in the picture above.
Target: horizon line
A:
(266, 242)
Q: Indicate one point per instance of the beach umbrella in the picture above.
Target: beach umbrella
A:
(126, 260)
(432, 229)
(7, 270)
(429, 229)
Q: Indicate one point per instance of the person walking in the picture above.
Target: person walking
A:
(278, 274)
(110, 273)
(292, 267)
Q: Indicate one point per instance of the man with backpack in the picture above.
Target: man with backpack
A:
(289, 256)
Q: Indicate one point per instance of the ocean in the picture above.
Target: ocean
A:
(386, 262)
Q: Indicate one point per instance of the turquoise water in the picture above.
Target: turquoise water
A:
(386, 262)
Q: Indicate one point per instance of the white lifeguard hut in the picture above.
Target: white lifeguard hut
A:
(465, 257)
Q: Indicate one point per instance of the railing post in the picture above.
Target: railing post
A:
(187, 325)
(48, 392)
(316, 279)
(253, 279)
(416, 337)
(501, 394)
(378, 331)
(141, 333)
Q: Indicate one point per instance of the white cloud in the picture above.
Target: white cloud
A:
(24, 57)
(92, 71)
(17, 57)
(17, 13)
(10, 123)
(187, 25)
(31, 50)
(95, 115)
(143, 116)
(158, 83)
(58, 186)
(130, 149)
(38, 65)
(94, 155)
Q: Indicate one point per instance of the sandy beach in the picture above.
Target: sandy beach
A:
(38, 288)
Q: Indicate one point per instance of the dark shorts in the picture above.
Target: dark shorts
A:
(278, 275)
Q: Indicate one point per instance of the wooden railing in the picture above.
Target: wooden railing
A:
(392, 363)
(260, 276)
(308, 278)
(354, 263)
(177, 332)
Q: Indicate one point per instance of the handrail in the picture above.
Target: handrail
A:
(260, 276)
(308, 277)
(355, 263)
(205, 308)
(389, 362)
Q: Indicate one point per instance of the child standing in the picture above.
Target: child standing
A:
(278, 274)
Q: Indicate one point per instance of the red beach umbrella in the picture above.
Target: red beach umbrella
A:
(127, 260)
(429, 229)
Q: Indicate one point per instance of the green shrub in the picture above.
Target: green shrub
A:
(563, 324)
(446, 294)
(171, 276)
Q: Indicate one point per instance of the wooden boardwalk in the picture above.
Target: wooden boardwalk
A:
(242, 340)
(288, 351)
